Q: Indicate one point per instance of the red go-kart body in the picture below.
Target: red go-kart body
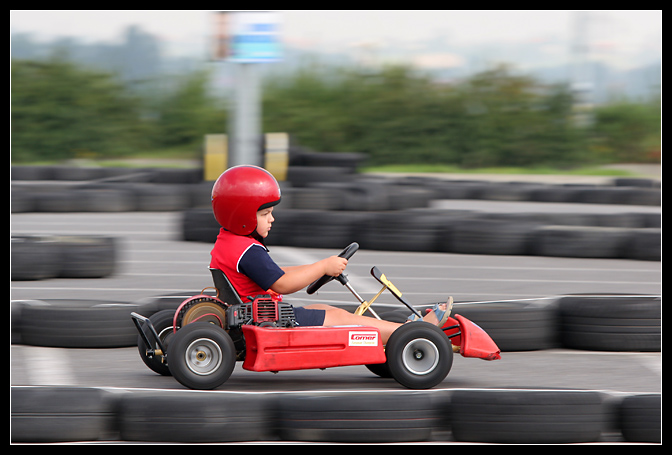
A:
(302, 348)
(201, 341)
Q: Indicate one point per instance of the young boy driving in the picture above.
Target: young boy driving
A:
(243, 198)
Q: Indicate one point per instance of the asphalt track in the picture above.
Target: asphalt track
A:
(154, 261)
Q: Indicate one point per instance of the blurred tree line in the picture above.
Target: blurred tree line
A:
(62, 111)
(494, 118)
(394, 115)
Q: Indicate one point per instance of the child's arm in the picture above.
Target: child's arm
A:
(300, 276)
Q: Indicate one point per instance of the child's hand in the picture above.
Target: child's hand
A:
(334, 265)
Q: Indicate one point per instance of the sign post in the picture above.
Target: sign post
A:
(245, 38)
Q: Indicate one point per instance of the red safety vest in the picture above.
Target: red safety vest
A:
(226, 254)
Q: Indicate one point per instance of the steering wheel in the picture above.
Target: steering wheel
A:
(347, 253)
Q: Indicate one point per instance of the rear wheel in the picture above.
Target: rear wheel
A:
(202, 356)
(419, 355)
(163, 324)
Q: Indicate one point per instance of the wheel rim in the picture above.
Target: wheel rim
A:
(163, 336)
(203, 356)
(420, 356)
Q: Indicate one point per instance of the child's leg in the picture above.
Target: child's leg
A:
(337, 316)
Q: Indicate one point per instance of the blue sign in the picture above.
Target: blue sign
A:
(255, 37)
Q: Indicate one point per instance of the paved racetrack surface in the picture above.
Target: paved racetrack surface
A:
(153, 260)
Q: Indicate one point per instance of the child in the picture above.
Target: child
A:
(243, 198)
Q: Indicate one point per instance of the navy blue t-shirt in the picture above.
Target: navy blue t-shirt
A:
(259, 267)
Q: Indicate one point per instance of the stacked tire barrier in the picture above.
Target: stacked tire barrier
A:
(592, 322)
(329, 206)
(63, 414)
(123, 189)
(383, 213)
(589, 322)
(64, 256)
(455, 231)
(609, 323)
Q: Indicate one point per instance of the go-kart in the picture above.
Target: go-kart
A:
(200, 342)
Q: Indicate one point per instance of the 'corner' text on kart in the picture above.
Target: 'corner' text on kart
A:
(200, 342)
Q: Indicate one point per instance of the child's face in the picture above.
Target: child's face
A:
(264, 220)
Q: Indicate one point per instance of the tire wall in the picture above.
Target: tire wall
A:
(349, 207)
(379, 213)
(56, 414)
(64, 414)
(587, 322)
(65, 256)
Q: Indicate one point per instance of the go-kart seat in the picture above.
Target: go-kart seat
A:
(224, 287)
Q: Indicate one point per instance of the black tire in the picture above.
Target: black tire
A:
(301, 176)
(182, 416)
(642, 196)
(34, 258)
(510, 191)
(355, 417)
(67, 256)
(380, 369)
(491, 236)
(314, 198)
(32, 172)
(515, 326)
(78, 323)
(15, 307)
(406, 230)
(611, 323)
(199, 225)
(419, 355)
(74, 173)
(163, 324)
(315, 228)
(60, 200)
(150, 197)
(105, 198)
(21, 200)
(86, 256)
(202, 356)
(641, 418)
(58, 414)
(349, 161)
(526, 417)
(633, 182)
(645, 244)
(400, 316)
(581, 241)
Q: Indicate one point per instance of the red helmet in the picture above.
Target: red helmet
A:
(239, 193)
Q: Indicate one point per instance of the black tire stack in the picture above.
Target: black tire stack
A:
(64, 414)
(75, 256)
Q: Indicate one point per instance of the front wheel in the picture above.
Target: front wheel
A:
(202, 356)
(419, 355)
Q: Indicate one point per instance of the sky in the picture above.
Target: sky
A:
(622, 36)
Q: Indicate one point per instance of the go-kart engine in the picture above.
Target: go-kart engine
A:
(262, 311)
